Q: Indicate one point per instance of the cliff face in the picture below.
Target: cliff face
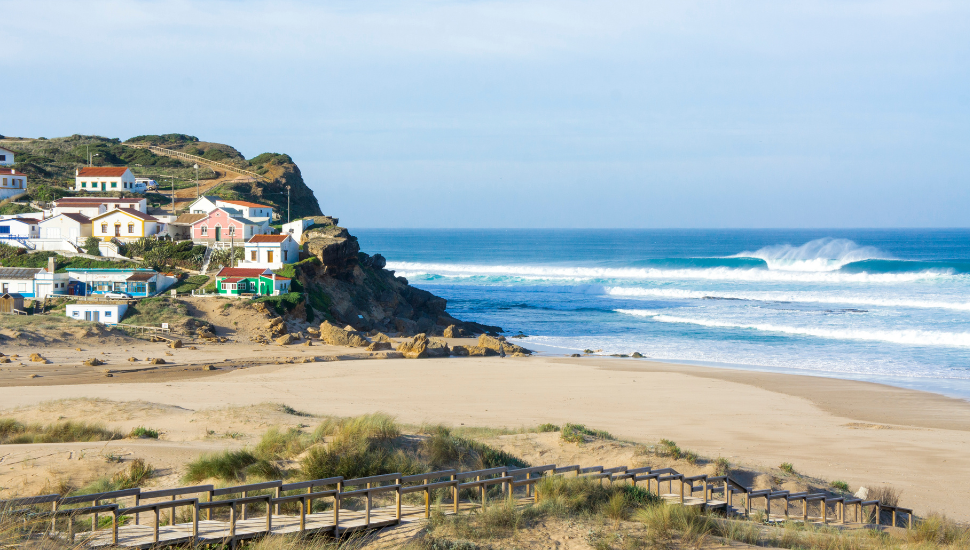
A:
(348, 287)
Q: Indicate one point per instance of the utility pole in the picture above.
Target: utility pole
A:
(173, 196)
(287, 204)
(196, 180)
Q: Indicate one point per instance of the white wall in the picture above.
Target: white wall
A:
(108, 314)
(8, 157)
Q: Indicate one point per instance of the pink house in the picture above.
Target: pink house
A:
(221, 226)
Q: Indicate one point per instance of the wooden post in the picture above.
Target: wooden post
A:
(427, 502)
(825, 511)
(195, 524)
(70, 527)
(528, 488)
(894, 516)
(302, 514)
(172, 514)
(137, 501)
(336, 511)
(245, 494)
(94, 524)
(768, 506)
(786, 508)
(482, 488)
(114, 530)
(208, 511)
(367, 511)
(232, 524)
(157, 519)
(397, 501)
(682, 489)
(805, 510)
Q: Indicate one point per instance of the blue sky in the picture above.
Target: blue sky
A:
(533, 114)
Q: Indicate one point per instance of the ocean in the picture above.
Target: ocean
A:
(889, 306)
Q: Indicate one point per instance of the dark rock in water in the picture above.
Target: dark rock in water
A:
(575, 355)
(637, 355)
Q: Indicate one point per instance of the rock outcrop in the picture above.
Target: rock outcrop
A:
(336, 336)
(500, 346)
(415, 348)
(348, 287)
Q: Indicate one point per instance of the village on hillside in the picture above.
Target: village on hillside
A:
(106, 226)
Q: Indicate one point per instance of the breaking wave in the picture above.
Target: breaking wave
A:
(906, 337)
(819, 255)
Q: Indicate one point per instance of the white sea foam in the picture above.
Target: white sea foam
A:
(415, 269)
(907, 337)
(795, 297)
(819, 255)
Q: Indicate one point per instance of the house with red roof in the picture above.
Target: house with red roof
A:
(92, 206)
(271, 251)
(104, 178)
(239, 281)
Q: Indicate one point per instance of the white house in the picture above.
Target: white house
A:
(124, 224)
(70, 226)
(296, 228)
(49, 283)
(12, 183)
(104, 178)
(203, 205)
(92, 206)
(19, 229)
(271, 251)
(108, 313)
(19, 280)
(6, 157)
(245, 209)
(137, 282)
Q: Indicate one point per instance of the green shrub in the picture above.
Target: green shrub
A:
(577, 433)
(14, 432)
(787, 467)
(230, 466)
(142, 432)
(545, 428)
(669, 448)
(840, 486)
(722, 467)
(91, 246)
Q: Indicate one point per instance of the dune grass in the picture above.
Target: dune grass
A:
(142, 432)
(14, 432)
(577, 433)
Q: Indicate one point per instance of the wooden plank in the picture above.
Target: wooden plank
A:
(243, 488)
(176, 492)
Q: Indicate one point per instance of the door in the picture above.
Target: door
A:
(96, 316)
(87, 315)
(269, 256)
(218, 233)
(6, 288)
(117, 230)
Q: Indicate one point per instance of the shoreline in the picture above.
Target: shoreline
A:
(866, 434)
(930, 385)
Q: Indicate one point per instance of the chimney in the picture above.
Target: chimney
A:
(77, 172)
(50, 264)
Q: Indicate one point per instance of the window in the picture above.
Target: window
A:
(76, 314)
(107, 313)
(5, 182)
(3, 157)
(131, 228)
(22, 287)
(205, 230)
(114, 184)
(284, 255)
(252, 256)
(84, 184)
(4, 229)
(225, 286)
(232, 230)
(104, 228)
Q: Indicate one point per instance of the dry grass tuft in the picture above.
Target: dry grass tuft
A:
(14, 432)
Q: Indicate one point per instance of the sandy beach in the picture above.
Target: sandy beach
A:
(865, 434)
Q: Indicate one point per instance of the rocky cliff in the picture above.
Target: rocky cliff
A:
(348, 287)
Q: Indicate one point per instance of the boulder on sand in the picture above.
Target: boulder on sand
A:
(93, 362)
(438, 348)
(500, 345)
(286, 339)
(336, 336)
(381, 337)
(473, 351)
(380, 346)
(451, 331)
(415, 348)
(36, 358)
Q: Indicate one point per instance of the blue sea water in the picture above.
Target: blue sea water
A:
(890, 306)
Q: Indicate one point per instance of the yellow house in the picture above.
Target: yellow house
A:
(124, 224)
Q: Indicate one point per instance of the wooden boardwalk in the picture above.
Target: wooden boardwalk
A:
(204, 514)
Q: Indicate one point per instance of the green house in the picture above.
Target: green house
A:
(240, 281)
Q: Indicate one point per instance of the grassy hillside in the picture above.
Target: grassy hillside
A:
(50, 164)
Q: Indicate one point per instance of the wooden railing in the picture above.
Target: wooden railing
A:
(271, 497)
